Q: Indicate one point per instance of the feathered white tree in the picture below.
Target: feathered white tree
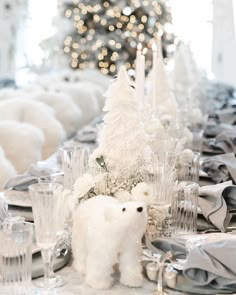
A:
(122, 140)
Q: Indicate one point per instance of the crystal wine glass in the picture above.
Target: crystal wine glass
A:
(46, 206)
(63, 222)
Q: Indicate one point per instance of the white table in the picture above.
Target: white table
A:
(76, 287)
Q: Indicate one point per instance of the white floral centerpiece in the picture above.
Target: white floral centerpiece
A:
(119, 167)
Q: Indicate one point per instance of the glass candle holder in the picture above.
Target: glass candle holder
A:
(16, 258)
(159, 212)
(159, 221)
(184, 208)
(75, 163)
(188, 167)
(197, 137)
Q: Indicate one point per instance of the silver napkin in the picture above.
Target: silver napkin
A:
(220, 168)
(213, 201)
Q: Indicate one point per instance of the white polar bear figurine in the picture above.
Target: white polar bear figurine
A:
(105, 232)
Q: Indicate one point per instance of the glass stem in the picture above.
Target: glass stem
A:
(51, 270)
(47, 256)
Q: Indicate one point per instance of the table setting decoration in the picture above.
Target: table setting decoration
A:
(121, 199)
(116, 167)
(195, 264)
(220, 168)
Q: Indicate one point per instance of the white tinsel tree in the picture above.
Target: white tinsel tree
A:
(189, 85)
(122, 141)
(163, 101)
(161, 114)
(182, 75)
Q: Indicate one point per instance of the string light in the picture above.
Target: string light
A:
(107, 34)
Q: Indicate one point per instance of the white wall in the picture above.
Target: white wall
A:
(224, 42)
(192, 21)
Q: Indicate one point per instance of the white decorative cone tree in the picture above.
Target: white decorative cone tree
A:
(122, 140)
(186, 71)
(190, 85)
(163, 100)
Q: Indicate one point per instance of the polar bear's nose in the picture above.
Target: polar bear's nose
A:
(140, 209)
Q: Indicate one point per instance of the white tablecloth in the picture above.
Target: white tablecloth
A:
(76, 287)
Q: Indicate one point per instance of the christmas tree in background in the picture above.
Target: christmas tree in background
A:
(105, 33)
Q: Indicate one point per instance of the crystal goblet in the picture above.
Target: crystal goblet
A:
(46, 206)
(63, 226)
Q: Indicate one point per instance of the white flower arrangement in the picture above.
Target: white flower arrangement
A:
(143, 192)
(128, 187)
(83, 185)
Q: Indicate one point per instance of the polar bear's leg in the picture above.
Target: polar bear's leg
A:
(100, 262)
(130, 264)
(79, 250)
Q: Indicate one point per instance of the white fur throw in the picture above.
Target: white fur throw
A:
(22, 143)
(66, 111)
(37, 114)
(97, 91)
(7, 170)
(83, 98)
